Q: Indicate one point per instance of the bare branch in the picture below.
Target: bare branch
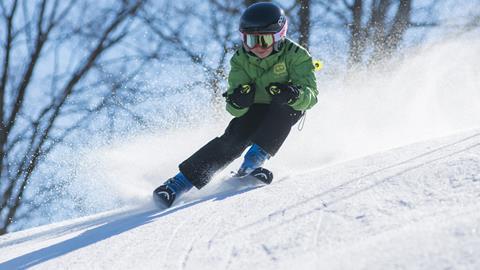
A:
(6, 65)
(225, 9)
(26, 78)
(329, 8)
(177, 41)
(39, 140)
(347, 5)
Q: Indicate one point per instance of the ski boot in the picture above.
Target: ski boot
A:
(254, 158)
(164, 196)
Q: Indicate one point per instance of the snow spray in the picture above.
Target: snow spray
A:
(432, 91)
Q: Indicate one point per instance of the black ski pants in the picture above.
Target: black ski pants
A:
(267, 125)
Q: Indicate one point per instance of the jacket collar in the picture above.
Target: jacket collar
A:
(267, 62)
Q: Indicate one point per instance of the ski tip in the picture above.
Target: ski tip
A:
(262, 174)
(159, 203)
(162, 199)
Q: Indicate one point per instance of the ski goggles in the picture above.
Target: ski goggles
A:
(263, 41)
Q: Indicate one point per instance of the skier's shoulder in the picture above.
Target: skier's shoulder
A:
(239, 52)
(239, 55)
(295, 50)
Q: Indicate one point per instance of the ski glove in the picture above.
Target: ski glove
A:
(242, 96)
(283, 93)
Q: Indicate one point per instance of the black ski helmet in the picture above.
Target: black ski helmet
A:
(263, 17)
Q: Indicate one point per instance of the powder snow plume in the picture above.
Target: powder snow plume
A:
(433, 91)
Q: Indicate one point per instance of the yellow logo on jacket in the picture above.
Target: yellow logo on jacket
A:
(280, 68)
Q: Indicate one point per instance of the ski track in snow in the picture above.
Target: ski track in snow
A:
(362, 186)
(414, 207)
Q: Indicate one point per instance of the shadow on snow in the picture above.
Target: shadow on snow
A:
(107, 230)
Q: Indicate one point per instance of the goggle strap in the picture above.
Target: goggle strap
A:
(279, 35)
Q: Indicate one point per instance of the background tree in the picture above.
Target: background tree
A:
(49, 81)
(202, 33)
(376, 27)
(468, 23)
(304, 15)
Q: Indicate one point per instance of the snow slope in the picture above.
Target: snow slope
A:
(342, 197)
(414, 207)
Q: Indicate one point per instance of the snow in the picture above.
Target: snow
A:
(385, 175)
(414, 207)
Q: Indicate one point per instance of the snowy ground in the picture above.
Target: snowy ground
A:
(414, 207)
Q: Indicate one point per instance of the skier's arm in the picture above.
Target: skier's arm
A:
(302, 75)
(236, 77)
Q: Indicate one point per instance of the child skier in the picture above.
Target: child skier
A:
(270, 86)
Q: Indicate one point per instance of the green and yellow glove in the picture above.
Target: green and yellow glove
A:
(242, 96)
(283, 93)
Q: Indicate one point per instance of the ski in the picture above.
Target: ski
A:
(164, 197)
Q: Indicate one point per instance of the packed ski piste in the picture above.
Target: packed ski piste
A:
(271, 85)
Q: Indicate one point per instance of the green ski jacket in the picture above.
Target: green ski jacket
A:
(292, 64)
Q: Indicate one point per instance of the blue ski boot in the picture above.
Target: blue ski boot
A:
(165, 195)
(254, 158)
